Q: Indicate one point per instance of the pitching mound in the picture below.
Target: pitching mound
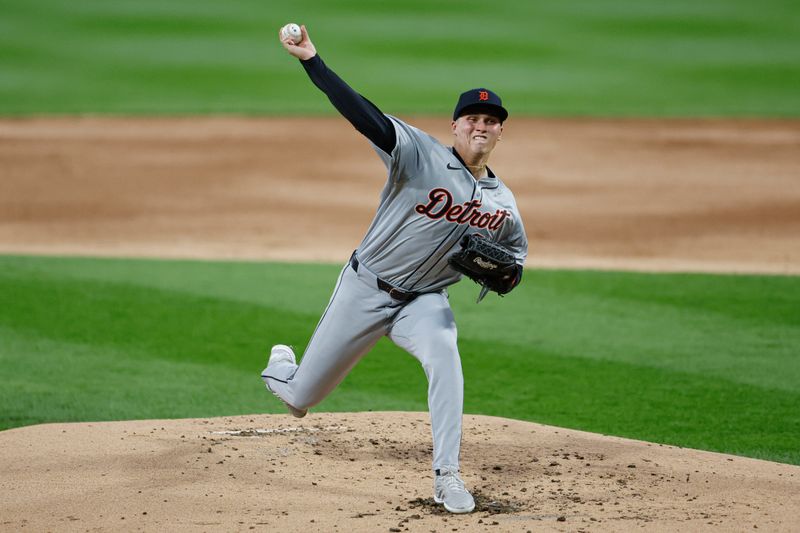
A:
(370, 472)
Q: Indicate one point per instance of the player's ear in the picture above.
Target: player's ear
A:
(453, 127)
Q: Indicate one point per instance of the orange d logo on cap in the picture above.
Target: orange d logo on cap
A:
(483, 96)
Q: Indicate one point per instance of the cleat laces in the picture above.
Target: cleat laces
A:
(453, 483)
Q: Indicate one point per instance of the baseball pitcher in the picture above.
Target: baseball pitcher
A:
(442, 214)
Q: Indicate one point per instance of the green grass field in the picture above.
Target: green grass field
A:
(700, 361)
(611, 58)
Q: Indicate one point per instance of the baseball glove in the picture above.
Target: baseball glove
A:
(487, 263)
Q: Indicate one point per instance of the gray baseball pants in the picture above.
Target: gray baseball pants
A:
(357, 316)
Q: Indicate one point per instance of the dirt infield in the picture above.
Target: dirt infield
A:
(690, 195)
(369, 472)
(675, 195)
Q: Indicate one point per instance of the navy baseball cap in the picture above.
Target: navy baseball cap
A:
(481, 98)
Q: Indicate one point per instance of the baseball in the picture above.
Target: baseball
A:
(292, 31)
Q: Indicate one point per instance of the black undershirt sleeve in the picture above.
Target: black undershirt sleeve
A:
(362, 114)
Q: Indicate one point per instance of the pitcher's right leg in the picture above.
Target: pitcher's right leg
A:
(351, 324)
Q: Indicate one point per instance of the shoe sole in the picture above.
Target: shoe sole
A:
(454, 510)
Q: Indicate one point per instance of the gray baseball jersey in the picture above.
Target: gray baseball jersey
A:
(429, 203)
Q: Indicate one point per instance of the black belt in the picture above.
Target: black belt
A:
(394, 292)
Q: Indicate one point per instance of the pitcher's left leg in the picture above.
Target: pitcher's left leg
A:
(426, 329)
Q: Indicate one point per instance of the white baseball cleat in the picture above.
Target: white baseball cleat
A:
(448, 488)
(282, 353)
